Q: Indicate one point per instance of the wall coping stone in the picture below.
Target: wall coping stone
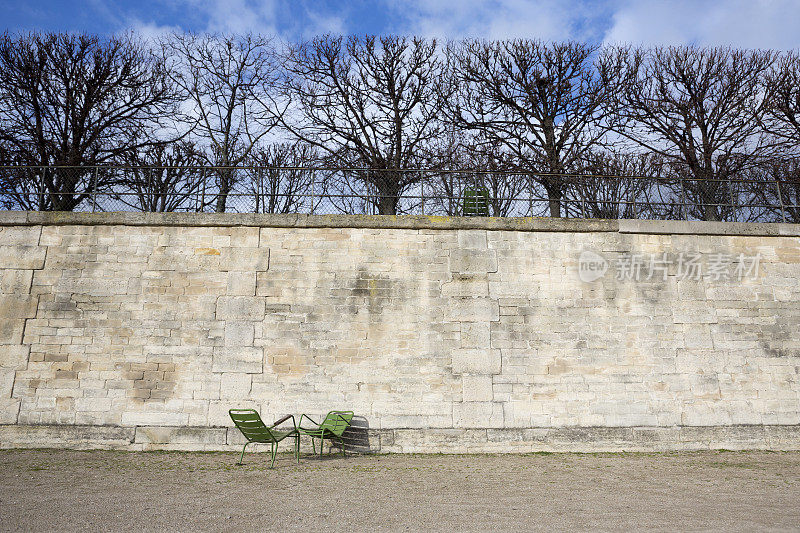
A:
(412, 222)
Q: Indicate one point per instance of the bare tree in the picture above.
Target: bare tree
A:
(164, 178)
(462, 163)
(545, 104)
(622, 185)
(230, 84)
(783, 111)
(76, 101)
(700, 109)
(281, 177)
(773, 189)
(367, 102)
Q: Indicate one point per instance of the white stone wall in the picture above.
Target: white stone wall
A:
(430, 331)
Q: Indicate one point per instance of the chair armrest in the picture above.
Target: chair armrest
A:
(284, 419)
(300, 425)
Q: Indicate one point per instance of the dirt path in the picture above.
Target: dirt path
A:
(77, 490)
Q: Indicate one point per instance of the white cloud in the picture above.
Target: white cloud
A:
(238, 16)
(320, 24)
(739, 23)
(149, 31)
(501, 19)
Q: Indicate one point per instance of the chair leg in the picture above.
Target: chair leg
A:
(274, 450)
(297, 448)
(313, 446)
(242, 455)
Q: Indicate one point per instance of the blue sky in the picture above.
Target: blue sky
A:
(744, 23)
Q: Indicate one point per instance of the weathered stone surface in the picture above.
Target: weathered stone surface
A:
(9, 411)
(473, 310)
(466, 286)
(21, 256)
(444, 334)
(241, 283)
(11, 331)
(13, 306)
(179, 437)
(65, 436)
(20, 235)
(477, 389)
(469, 261)
(246, 359)
(240, 308)
(476, 361)
(14, 357)
(15, 281)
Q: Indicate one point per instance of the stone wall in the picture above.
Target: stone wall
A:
(140, 331)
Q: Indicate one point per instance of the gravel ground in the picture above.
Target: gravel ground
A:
(89, 490)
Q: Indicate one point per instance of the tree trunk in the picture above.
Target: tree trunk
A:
(388, 186)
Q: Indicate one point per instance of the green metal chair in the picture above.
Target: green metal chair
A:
(254, 430)
(331, 428)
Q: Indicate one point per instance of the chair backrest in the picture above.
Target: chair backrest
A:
(250, 424)
(337, 421)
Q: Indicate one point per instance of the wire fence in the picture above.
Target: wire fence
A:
(759, 197)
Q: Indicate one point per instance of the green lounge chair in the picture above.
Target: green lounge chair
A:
(331, 428)
(254, 430)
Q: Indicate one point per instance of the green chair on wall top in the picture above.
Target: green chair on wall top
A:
(255, 431)
(331, 428)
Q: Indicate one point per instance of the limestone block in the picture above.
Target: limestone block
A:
(24, 235)
(472, 310)
(14, 281)
(245, 259)
(472, 238)
(154, 418)
(698, 337)
(240, 308)
(22, 256)
(9, 410)
(477, 388)
(235, 386)
(475, 335)
(239, 333)
(466, 286)
(694, 314)
(471, 261)
(238, 359)
(241, 283)
(478, 415)
(6, 382)
(11, 331)
(14, 357)
(472, 361)
(14, 306)
(181, 435)
(93, 404)
(689, 289)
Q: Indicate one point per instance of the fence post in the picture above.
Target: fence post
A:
(42, 188)
(94, 190)
(682, 209)
(203, 193)
(780, 199)
(422, 191)
(731, 185)
(530, 195)
(313, 200)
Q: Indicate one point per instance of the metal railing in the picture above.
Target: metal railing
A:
(449, 192)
